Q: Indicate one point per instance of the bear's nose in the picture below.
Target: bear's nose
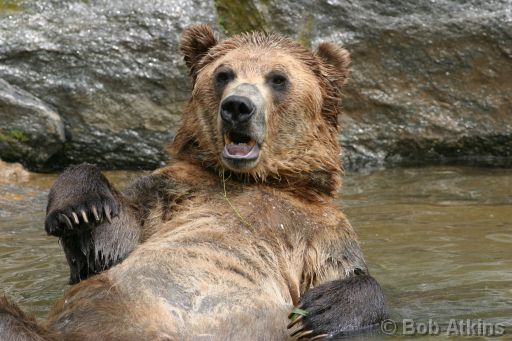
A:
(237, 109)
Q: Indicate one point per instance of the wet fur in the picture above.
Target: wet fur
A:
(15, 325)
(312, 169)
(196, 251)
(89, 248)
(268, 255)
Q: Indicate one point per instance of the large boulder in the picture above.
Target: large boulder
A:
(110, 68)
(430, 80)
(30, 131)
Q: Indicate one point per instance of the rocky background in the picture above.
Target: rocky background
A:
(101, 80)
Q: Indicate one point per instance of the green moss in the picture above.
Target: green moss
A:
(13, 135)
(18, 135)
(9, 6)
(239, 16)
(306, 32)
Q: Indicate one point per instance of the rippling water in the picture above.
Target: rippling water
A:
(438, 239)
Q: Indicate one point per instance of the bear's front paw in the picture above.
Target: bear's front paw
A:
(338, 308)
(81, 197)
(94, 211)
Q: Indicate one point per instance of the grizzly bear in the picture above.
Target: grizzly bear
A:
(240, 227)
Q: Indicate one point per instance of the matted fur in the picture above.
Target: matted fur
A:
(15, 325)
(313, 168)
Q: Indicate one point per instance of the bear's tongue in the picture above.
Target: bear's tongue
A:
(240, 149)
(245, 151)
(240, 146)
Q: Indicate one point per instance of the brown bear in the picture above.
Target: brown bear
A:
(237, 230)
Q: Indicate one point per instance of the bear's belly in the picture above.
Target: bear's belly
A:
(209, 278)
(204, 273)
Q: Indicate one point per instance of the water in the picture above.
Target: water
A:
(439, 240)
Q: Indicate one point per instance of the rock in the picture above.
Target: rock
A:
(12, 173)
(30, 131)
(110, 68)
(430, 80)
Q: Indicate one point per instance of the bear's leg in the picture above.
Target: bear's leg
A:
(339, 308)
(15, 325)
(96, 226)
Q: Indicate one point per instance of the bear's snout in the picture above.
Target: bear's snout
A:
(237, 109)
(242, 125)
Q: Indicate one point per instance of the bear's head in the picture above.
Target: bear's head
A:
(264, 109)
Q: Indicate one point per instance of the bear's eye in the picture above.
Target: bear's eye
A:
(224, 77)
(277, 80)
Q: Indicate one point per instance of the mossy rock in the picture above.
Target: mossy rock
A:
(239, 16)
(9, 6)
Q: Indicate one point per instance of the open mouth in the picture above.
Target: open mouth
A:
(240, 146)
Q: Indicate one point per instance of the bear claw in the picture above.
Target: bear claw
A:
(64, 219)
(303, 334)
(298, 332)
(60, 221)
(75, 218)
(84, 216)
(294, 322)
(347, 306)
(80, 198)
(95, 213)
(107, 213)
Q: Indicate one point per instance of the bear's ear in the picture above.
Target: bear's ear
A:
(195, 42)
(337, 59)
